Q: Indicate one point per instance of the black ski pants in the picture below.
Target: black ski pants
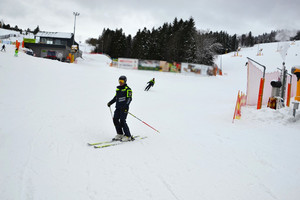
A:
(119, 119)
(148, 86)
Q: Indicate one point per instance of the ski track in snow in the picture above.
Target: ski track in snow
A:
(169, 188)
(27, 189)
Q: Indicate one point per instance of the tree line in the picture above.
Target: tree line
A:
(16, 28)
(178, 41)
(173, 42)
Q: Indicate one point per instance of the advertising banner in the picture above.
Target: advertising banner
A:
(170, 67)
(152, 65)
(164, 66)
(29, 40)
(175, 67)
(194, 68)
(128, 63)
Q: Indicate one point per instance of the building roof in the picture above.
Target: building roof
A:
(54, 34)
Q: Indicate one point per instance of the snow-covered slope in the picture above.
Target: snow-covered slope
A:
(49, 111)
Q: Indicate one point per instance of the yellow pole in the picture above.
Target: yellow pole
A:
(72, 58)
(297, 97)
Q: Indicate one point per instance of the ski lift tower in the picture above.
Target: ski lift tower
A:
(75, 14)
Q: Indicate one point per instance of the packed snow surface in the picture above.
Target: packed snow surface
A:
(50, 110)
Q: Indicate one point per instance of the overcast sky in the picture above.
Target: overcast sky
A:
(232, 16)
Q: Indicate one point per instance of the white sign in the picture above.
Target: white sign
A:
(128, 63)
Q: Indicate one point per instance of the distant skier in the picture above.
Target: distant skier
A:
(122, 98)
(150, 84)
(3, 48)
(16, 52)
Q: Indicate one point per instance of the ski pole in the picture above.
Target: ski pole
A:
(144, 122)
(110, 112)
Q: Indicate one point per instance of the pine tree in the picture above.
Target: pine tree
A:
(28, 31)
(206, 49)
(137, 45)
(234, 43)
(250, 40)
(36, 30)
(297, 37)
(141, 44)
(128, 47)
(243, 40)
(189, 41)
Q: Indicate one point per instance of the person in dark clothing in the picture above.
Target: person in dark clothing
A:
(122, 99)
(150, 84)
(3, 48)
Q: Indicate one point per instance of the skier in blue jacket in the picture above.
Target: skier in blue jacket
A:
(122, 99)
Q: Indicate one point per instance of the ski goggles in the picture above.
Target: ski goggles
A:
(121, 81)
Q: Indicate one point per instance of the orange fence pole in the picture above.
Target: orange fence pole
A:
(261, 91)
(288, 98)
(297, 97)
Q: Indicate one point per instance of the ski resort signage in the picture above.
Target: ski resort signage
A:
(152, 65)
(128, 63)
(169, 67)
(194, 68)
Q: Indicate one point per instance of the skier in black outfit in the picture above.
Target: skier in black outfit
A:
(150, 84)
(122, 98)
(3, 48)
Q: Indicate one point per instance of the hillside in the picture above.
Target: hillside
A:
(50, 110)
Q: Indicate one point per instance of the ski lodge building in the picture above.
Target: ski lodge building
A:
(53, 45)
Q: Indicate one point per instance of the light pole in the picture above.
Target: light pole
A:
(75, 14)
